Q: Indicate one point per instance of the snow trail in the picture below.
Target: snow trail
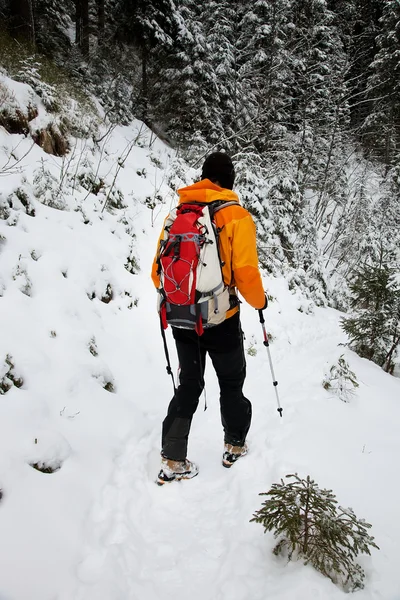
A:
(191, 538)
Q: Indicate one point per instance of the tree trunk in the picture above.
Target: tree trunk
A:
(78, 23)
(320, 207)
(144, 99)
(388, 138)
(100, 22)
(85, 28)
(22, 22)
(387, 363)
(82, 26)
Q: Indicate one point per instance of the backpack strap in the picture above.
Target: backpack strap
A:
(213, 206)
(221, 204)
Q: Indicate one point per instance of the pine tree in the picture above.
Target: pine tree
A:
(374, 328)
(295, 230)
(82, 26)
(22, 20)
(382, 126)
(101, 20)
(4, 11)
(311, 526)
(146, 25)
(233, 111)
(185, 95)
(354, 239)
(318, 110)
(265, 71)
(52, 22)
(341, 380)
(358, 24)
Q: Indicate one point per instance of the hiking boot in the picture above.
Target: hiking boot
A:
(175, 470)
(232, 454)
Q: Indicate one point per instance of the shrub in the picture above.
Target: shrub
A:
(340, 380)
(8, 376)
(29, 72)
(311, 526)
(47, 189)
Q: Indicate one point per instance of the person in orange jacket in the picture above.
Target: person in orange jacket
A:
(223, 342)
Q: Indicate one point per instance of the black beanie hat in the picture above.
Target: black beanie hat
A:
(218, 167)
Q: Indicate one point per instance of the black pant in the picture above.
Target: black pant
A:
(224, 344)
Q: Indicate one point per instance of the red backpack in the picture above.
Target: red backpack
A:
(193, 294)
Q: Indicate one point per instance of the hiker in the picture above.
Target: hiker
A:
(224, 341)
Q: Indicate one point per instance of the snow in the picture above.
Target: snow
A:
(98, 528)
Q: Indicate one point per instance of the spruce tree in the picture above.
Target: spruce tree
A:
(185, 94)
(52, 22)
(265, 62)
(354, 239)
(382, 126)
(358, 24)
(309, 525)
(221, 22)
(318, 112)
(147, 25)
(22, 22)
(374, 327)
(101, 21)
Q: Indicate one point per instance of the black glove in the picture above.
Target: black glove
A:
(265, 304)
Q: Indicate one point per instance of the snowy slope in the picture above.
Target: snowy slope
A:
(99, 528)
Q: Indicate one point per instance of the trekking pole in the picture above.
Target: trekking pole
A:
(169, 369)
(266, 344)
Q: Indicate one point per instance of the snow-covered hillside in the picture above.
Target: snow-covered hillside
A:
(85, 390)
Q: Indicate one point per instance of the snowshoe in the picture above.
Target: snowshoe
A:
(176, 470)
(232, 454)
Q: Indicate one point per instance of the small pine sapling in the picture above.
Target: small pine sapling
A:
(29, 72)
(309, 525)
(340, 380)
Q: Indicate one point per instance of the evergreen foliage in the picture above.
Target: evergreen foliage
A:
(29, 72)
(146, 25)
(303, 93)
(382, 124)
(310, 526)
(374, 328)
(341, 380)
(265, 71)
(186, 94)
(53, 19)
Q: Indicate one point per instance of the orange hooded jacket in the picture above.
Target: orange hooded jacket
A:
(237, 242)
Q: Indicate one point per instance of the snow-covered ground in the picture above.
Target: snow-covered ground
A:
(98, 528)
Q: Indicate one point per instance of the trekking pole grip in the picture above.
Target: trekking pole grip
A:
(262, 321)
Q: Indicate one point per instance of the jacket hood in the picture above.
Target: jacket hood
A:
(206, 191)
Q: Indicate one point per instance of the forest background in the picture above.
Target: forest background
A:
(304, 94)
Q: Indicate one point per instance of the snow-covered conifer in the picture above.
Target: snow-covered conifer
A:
(374, 326)
(381, 126)
(310, 526)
